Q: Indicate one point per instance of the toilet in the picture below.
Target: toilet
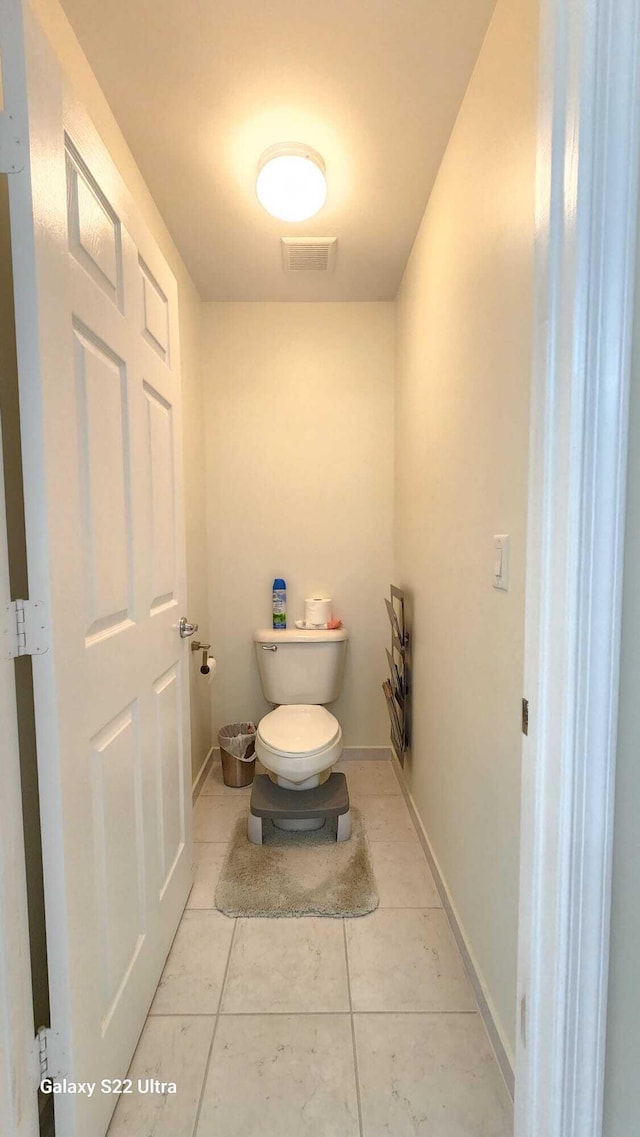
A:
(300, 741)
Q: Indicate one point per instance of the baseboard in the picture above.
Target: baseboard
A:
(500, 1047)
(366, 754)
(198, 781)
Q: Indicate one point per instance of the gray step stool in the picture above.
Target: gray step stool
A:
(275, 803)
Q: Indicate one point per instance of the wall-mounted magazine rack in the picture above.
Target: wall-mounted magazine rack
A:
(396, 688)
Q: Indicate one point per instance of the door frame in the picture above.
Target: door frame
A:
(19, 1056)
(19, 1067)
(586, 215)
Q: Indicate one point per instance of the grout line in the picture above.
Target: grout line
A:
(226, 970)
(196, 1120)
(225, 843)
(323, 915)
(294, 1014)
(252, 1014)
(399, 908)
(353, 1031)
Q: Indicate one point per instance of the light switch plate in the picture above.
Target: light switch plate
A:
(501, 561)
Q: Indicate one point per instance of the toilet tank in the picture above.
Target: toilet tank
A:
(300, 666)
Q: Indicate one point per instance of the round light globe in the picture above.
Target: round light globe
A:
(291, 184)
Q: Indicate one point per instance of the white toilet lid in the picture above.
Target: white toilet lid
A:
(299, 729)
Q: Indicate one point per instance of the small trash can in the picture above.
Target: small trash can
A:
(237, 745)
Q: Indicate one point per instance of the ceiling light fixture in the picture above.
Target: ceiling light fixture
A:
(291, 182)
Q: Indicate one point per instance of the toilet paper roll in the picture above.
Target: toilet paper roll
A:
(317, 611)
(213, 667)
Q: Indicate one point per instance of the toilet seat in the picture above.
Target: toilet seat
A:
(300, 730)
(299, 742)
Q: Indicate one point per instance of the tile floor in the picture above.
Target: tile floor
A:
(317, 1027)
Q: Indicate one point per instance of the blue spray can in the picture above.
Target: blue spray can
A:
(279, 603)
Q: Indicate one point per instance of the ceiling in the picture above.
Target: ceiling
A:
(201, 88)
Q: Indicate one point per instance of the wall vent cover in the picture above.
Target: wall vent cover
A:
(304, 254)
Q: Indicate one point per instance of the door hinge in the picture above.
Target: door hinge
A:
(42, 1042)
(12, 148)
(41, 1055)
(525, 716)
(47, 1059)
(25, 631)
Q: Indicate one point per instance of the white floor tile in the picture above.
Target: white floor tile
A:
(370, 777)
(403, 959)
(214, 817)
(287, 965)
(386, 817)
(208, 858)
(429, 1076)
(171, 1049)
(281, 1075)
(278, 1065)
(193, 974)
(403, 876)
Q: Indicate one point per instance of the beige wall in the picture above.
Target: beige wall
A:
(463, 366)
(300, 484)
(76, 67)
(622, 1086)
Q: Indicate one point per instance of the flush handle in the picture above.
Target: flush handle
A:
(269, 647)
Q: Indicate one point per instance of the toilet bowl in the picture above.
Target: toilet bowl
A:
(300, 741)
(299, 744)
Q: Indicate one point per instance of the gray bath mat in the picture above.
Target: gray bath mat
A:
(297, 874)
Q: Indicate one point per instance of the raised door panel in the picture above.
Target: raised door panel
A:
(119, 852)
(94, 232)
(104, 468)
(161, 470)
(155, 314)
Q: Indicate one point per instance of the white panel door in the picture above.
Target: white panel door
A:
(100, 406)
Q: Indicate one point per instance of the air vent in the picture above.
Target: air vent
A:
(308, 254)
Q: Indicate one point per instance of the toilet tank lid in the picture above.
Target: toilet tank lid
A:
(298, 635)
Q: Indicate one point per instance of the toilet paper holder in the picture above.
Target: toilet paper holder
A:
(204, 648)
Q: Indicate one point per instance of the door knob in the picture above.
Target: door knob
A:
(186, 629)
